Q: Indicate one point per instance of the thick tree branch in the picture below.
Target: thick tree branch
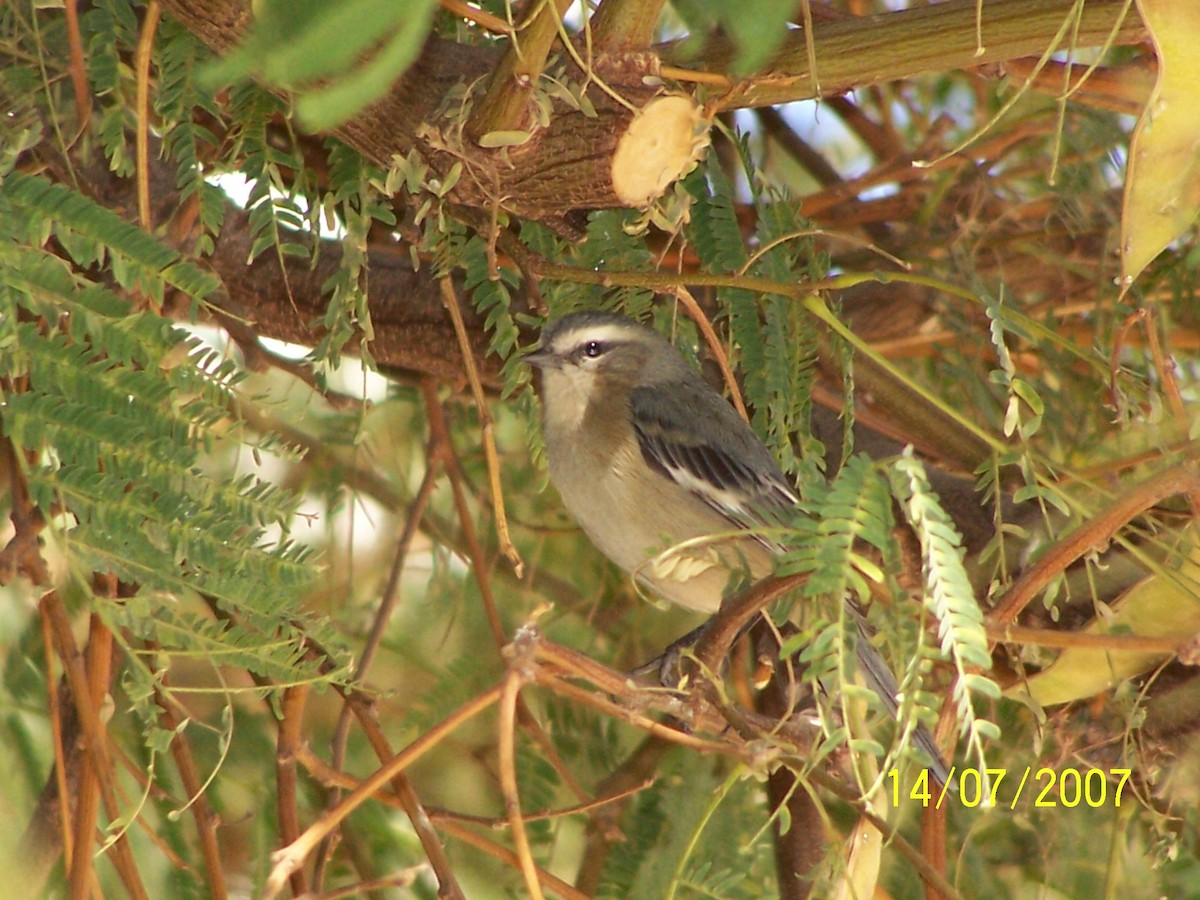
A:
(855, 52)
(287, 300)
(575, 159)
(573, 162)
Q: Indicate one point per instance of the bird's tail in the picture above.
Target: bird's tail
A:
(881, 680)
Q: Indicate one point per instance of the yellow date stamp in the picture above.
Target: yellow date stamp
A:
(1044, 788)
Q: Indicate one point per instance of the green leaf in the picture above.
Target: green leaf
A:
(337, 58)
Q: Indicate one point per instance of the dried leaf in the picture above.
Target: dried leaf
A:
(504, 139)
(1160, 606)
(1162, 185)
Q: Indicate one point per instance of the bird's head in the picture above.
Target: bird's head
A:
(588, 356)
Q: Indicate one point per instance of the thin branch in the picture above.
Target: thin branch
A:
(23, 553)
(207, 821)
(800, 844)
(882, 141)
(291, 857)
(604, 831)
(439, 436)
(506, 105)
(696, 314)
(796, 147)
(60, 752)
(79, 79)
(506, 763)
(88, 706)
(557, 662)
(933, 845)
(288, 745)
(736, 613)
(546, 879)
(383, 615)
(480, 17)
(448, 887)
(391, 594)
(1063, 640)
(450, 300)
(81, 875)
(441, 444)
(145, 47)
(1092, 535)
(1170, 386)
(333, 778)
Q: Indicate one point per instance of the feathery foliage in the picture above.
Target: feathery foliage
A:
(249, 519)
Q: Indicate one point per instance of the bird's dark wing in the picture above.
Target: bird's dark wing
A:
(689, 433)
(699, 441)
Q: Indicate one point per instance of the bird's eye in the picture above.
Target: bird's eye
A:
(593, 349)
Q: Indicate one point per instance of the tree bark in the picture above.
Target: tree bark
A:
(546, 171)
(287, 300)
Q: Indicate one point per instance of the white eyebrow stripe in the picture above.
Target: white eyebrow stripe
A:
(603, 332)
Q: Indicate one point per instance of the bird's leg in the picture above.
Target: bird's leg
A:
(667, 666)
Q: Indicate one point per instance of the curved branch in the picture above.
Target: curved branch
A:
(959, 34)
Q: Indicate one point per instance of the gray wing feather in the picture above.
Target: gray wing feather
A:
(689, 433)
(729, 468)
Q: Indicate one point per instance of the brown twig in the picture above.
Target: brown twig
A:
(22, 554)
(480, 17)
(1121, 643)
(79, 80)
(800, 846)
(60, 754)
(611, 683)
(546, 879)
(402, 879)
(87, 705)
(603, 831)
(796, 147)
(506, 763)
(736, 613)
(207, 821)
(1092, 535)
(383, 615)
(289, 745)
(442, 447)
(1114, 358)
(333, 778)
(439, 436)
(455, 824)
(450, 300)
(696, 314)
(883, 141)
(291, 857)
(448, 887)
(145, 47)
(87, 804)
(1170, 386)
(933, 844)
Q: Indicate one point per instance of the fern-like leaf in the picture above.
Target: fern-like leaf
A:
(950, 598)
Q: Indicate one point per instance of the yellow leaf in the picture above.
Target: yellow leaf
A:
(1163, 605)
(504, 139)
(1162, 184)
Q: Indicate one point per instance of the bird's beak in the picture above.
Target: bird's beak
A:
(540, 359)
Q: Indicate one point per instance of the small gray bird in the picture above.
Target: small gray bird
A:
(662, 473)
